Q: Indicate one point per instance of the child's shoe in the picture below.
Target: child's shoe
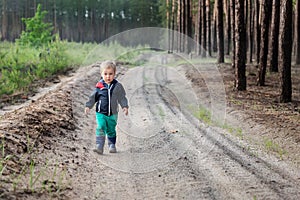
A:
(111, 145)
(100, 140)
(112, 148)
(98, 149)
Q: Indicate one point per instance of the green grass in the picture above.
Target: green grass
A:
(161, 112)
(236, 131)
(202, 114)
(30, 177)
(270, 145)
(21, 65)
(3, 159)
(114, 51)
(40, 179)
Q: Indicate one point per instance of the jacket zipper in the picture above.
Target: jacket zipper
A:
(99, 106)
(109, 99)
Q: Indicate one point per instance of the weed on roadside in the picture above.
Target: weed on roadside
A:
(31, 178)
(273, 147)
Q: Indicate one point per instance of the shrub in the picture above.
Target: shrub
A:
(37, 33)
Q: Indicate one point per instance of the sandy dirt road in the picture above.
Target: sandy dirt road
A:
(164, 152)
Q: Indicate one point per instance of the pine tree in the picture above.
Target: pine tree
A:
(37, 33)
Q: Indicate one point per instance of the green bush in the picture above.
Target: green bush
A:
(34, 56)
(21, 65)
(37, 33)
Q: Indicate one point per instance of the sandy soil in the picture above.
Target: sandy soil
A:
(164, 151)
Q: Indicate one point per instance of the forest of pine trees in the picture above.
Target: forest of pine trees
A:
(263, 32)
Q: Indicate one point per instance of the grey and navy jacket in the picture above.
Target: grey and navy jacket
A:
(107, 97)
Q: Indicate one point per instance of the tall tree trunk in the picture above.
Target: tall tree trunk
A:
(188, 26)
(208, 12)
(54, 17)
(179, 25)
(220, 31)
(204, 30)
(198, 28)
(168, 24)
(228, 27)
(173, 24)
(183, 20)
(246, 25)
(4, 32)
(257, 29)
(297, 31)
(266, 11)
(285, 50)
(250, 30)
(233, 21)
(273, 56)
(215, 42)
(240, 37)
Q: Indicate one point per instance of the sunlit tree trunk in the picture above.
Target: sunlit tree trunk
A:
(198, 29)
(208, 13)
(168, 3)
(233, 21)
(173, 24)
(188, 26)
(179, 25)
(297, 32)
(204, 29)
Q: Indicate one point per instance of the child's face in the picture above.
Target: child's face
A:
(108, 75)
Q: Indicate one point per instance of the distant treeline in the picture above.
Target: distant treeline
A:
(80, 20)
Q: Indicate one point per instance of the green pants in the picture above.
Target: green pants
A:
(106, 125)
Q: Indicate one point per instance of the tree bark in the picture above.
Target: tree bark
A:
(228, 27)
(208, 13)
(183, 20)
(204, 30)
(285, 50)
(215, 43)
(220, 31)
(168, 24)
(266, 11)
(273, 56)
(188, 26)
(257, 29)
(233, 21)
(240, 37)
(198, 28)
(173, 25)
(297, 32)
(179, 25)
(4, 32)
(250, 30)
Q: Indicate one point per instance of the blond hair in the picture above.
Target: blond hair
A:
(108, 64)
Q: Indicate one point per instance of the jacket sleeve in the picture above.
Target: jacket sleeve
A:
(92, 100)
(122, 100)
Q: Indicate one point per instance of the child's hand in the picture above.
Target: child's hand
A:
(86, 110)
(125, 110)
